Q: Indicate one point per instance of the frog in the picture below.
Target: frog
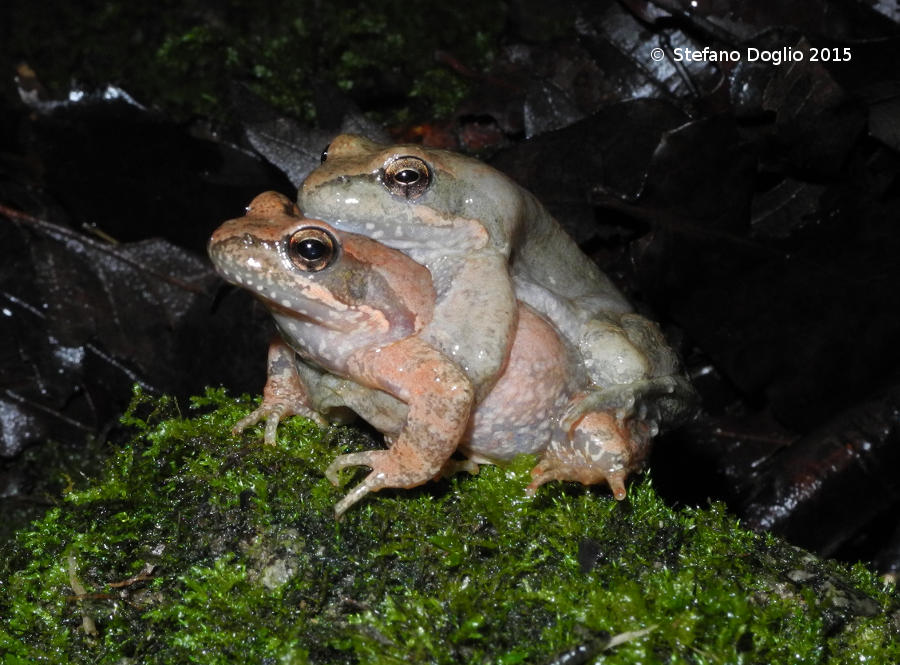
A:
(489, 244)
(354, 316)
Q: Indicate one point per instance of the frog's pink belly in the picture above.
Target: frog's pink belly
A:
(521, 412)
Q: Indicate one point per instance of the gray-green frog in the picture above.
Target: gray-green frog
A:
(361, 316)
(488, 243)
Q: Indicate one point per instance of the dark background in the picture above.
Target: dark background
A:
(751, 208)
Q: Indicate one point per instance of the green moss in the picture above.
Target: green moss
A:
(185, 56)
(196, 546)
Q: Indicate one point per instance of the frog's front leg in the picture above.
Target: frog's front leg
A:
(440, 398)
(285, 394)
(475, 315)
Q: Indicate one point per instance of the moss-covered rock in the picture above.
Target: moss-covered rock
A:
(196, 546)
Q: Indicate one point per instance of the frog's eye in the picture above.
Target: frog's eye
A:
(408, 177)
(325, 153)
(312, 249)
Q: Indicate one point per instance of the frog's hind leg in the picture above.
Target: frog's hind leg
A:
(601, 447)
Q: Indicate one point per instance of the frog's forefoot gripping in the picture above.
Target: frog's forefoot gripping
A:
(273, 412)
(285, 394)
(601, 447)
(665, 400)
(399, 466)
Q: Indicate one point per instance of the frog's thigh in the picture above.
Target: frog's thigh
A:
(475, 316)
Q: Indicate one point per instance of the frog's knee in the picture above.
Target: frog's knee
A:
(645, 335)
(610, 357)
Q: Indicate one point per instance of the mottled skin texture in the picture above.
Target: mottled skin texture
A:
(365, 323)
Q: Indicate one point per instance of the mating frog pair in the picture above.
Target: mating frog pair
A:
(439, 301)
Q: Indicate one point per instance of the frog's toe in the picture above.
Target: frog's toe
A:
(616, 482)
(390, 468)
(341, 462)
(266, 412)
(546, 473)
(370, 484)
(601, 448)
(315, 416)
(273, 413)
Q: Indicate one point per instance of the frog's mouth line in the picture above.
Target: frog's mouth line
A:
(304, 317)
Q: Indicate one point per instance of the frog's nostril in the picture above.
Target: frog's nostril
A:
(246, 240)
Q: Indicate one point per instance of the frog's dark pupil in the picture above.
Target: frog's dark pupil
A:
(325, 153)
(311, 249)
(407, 176)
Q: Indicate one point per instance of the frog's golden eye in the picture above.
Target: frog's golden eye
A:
(325, 153)
(312, 249)
(408, 177)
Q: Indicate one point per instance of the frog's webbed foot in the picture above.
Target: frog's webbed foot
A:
(601, 447)
(389, 469)
(610, 430)
(284, 395)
